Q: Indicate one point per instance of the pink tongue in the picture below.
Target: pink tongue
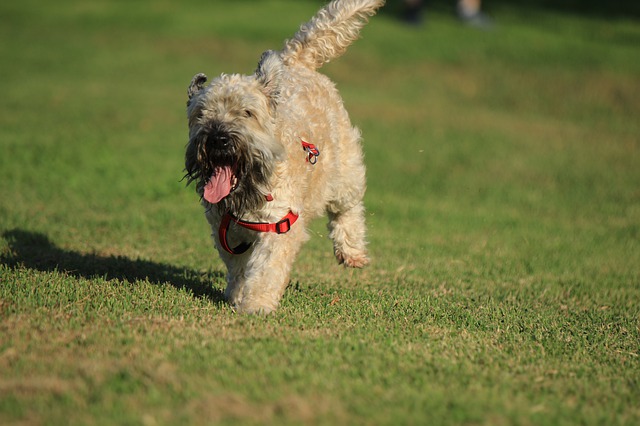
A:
(219, 186)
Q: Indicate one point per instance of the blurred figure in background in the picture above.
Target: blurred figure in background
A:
(413, 12)
(469, 12)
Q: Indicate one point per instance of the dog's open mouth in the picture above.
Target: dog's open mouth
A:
(221, 183)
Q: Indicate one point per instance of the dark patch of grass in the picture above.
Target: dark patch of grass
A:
(33, 251)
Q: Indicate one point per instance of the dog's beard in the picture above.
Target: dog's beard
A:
(231, 170)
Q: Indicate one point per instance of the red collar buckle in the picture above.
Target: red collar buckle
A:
(283, 226)
(312, 152)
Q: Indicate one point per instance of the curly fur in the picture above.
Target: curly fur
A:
(254, 125)
(329, 33)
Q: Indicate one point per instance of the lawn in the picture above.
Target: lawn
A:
(503, 209)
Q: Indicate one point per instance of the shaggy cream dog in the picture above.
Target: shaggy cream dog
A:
(270, 151)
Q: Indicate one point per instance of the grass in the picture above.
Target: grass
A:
(503, 213)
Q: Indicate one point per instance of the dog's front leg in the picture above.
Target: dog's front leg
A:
(258, 285)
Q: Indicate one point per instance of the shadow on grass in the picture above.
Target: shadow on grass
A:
(35, 251)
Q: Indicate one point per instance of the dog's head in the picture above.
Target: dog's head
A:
(232, 149)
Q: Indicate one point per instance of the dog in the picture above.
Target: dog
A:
(272, 150)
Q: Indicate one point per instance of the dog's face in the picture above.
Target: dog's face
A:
(232, 149)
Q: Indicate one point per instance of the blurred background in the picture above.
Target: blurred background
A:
(470, 132)
(100, 86)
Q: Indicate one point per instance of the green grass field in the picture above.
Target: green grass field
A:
(503, 212)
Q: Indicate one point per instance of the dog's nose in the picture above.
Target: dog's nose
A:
(218, 140)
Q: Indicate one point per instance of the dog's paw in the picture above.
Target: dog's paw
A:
(357, 260)
(255, 308)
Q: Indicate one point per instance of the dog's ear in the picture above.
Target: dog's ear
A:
(269, 74)
(197, 82)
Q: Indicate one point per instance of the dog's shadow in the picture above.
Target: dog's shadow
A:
(36, 251)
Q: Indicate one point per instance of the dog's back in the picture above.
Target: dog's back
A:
(328, 34)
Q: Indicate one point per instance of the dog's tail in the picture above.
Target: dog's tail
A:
(329, 32)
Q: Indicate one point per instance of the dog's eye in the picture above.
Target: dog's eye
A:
(248, 114)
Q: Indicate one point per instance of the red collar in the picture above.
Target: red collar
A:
(281, 227)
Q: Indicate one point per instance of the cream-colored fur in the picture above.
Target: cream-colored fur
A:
(254, 126)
